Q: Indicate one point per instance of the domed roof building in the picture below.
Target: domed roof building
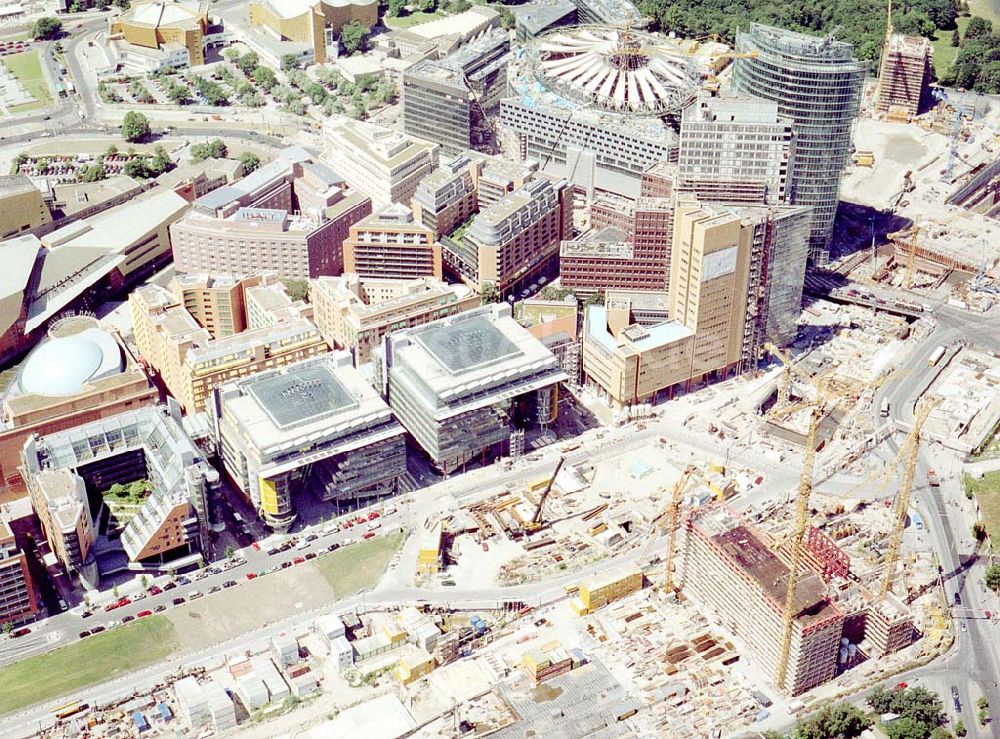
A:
(78, 373)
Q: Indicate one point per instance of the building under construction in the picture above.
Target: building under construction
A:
(727, 566)
(903, 76)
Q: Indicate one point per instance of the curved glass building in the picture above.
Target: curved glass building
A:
(817, 83)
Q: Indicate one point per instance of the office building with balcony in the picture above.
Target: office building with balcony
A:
(289, 217)
(354, 312)
(192, 362)
(316, 427)
(391, 244)
(447, 198)
(19, 599)
(516, 239)
(461, 385)
(383, 164)
(70, 472)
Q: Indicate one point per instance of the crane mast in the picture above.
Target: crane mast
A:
(674, 514)
(798, 533)
(909, 456)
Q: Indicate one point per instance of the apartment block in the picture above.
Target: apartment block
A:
(448, 101)
(461, 384)
(289, 217)
(22, 206)
(731, 572)
(314, 427)
(904, 76)
(636, 257)
(735, 149)
(354, 312)
(191, 363)
(446, 198)
(19, 601)
(383, 164)
(65, 469)
(516, 239)
(391, 244)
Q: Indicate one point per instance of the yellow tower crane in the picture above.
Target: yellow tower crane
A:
(798, 534)
(674, 511)
(908, 453)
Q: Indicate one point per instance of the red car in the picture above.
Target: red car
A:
(256, 546)
(360, 519)
(143, 614)
(20, 632)
(298, 560)
(373, 515)
(348, 524)
(155, 590)
(251, 576)
(902, 686)
(368, 535)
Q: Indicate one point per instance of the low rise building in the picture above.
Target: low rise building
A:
(554, 323)
(354, 313)
(191, 361)
(461, 384)
(596, 592)
(153, 35)
(289, 217)
(516, 239)
(390, 244)
(19, 601)
(315, 426)
(69, 472)
(78, 374)
(384, 164)
(22, 206)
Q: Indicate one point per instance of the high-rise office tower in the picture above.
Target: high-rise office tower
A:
(817, 83)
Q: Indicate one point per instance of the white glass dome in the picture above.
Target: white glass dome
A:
(63, 365)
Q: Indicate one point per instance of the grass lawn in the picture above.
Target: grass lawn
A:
(27, 67)
(92, 660)
(358, 566)
(944, 52)
(411, 20)
(987, 493)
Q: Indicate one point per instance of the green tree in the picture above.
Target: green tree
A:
(265, 77)
(214, 149)
(993, 577)
(135, 127)
(427, 6)
(289, 61)
(353, 37)
(250, 161)
(595, 299)
(396, 8)
(979, 531)
(837, 721)
(94, 173)
(111, 150)
(489, 293)
(978, 27)
(460, 6)
(161, 161)
(7, 627)
(906, 728)
(960, 728)
(956, 38)
(114, 591)
(297, 289)
(248, 62)
(231, 54)
(940, 732)
(46, 27)
(230, 552)
(917, 703)
(19, 161)
(137, 168)
(507, 20)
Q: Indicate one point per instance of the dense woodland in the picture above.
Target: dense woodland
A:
(859, 22)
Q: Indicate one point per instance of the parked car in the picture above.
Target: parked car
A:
(251, 576)
(183, 581)
(169, 586)
(311, 555)
(84, 634)
(229, 584)
(215, 589)
(312, 537)
(194, 594)
(178, 601)
(97, 629)
(369, 535)
(155, 590)
(160, 608)
(298, 560)
(126, 619)
(143, 614)
(86, 614)
(333, 547)
(18, 633)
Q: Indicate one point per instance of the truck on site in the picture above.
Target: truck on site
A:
(884, 408)
(932, 479)
(935, 357)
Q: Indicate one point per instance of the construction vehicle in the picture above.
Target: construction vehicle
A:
(908, 453)
(536, 522)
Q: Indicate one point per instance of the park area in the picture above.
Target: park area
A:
(26, 69)
(92, 660)
(987, 492)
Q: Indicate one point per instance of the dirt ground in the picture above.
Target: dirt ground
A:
(221, 616)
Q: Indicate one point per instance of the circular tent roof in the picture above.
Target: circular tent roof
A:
(63, 365)
(616, 69)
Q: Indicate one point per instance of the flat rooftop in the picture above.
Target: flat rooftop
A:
(467, 345)
(301, 396)
(744, 550)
